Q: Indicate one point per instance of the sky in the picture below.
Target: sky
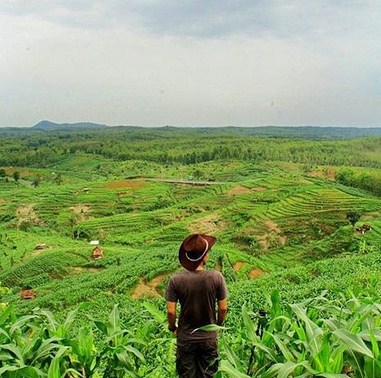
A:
(191, 62)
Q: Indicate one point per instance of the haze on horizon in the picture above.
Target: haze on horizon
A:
(191, 62)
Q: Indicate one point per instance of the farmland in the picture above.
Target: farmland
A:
(278, 205)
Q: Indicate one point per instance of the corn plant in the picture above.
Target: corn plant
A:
(36, 345)
(25, 350)
(316, 338)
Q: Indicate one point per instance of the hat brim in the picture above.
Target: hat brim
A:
(192, 265)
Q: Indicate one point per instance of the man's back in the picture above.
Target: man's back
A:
(197, 292)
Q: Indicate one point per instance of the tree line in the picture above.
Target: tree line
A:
(183, 147)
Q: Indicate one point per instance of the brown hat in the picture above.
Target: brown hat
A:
(193, 249)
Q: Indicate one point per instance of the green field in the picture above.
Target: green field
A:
(278, 208)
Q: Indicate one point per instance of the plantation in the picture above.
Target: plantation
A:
(278, 205)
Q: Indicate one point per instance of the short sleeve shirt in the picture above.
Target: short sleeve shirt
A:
(198, 293)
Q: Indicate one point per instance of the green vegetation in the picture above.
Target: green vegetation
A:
(318, 337)
(281, 208)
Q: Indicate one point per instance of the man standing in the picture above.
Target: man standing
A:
(200, 293)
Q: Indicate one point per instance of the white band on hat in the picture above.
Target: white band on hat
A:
(203, 254)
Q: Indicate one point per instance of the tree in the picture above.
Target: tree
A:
(16, 176)
(58, 179)
(198, 174)
(2, 173)
(353, 217)
(36, 181)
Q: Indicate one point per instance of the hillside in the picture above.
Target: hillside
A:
(52, 126)
(278, 207)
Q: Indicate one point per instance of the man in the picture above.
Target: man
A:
(198, 291)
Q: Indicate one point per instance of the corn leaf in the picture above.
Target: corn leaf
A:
(353, 342)
(230, 370)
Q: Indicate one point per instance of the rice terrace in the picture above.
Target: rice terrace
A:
(91, 221)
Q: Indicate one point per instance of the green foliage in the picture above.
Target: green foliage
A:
(365, 179)
(319, 337)
(353, 217)
(37, 345)
(316, 338)
(172, 146)
(16, 176)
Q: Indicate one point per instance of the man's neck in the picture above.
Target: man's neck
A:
(200, 267)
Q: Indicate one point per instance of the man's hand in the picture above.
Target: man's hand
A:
(222, 311)
(171, 316)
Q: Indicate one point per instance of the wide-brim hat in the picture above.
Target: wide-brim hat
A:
(193, 249)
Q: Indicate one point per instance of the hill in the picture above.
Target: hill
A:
(51, 126)
(278, 207)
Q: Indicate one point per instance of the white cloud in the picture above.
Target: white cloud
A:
(161, 62)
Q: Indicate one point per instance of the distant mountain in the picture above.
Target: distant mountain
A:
(52, 126)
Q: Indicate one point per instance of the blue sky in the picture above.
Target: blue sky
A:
(191, 63)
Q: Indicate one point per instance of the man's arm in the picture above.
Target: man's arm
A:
(171, 316)
(222, 311)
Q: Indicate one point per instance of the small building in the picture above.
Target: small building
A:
(27, 293)
(97, 253)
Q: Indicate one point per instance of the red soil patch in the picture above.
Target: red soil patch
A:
(148, 289)
(125, 184)
(238, 265)
(256, 273)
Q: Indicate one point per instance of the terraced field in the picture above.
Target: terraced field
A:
(266, 219)
(280, 225)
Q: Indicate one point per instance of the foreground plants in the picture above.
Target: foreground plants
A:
(37, 345)
(316, 338)
(319, 337)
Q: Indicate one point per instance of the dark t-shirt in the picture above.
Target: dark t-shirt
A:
(198, 293)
